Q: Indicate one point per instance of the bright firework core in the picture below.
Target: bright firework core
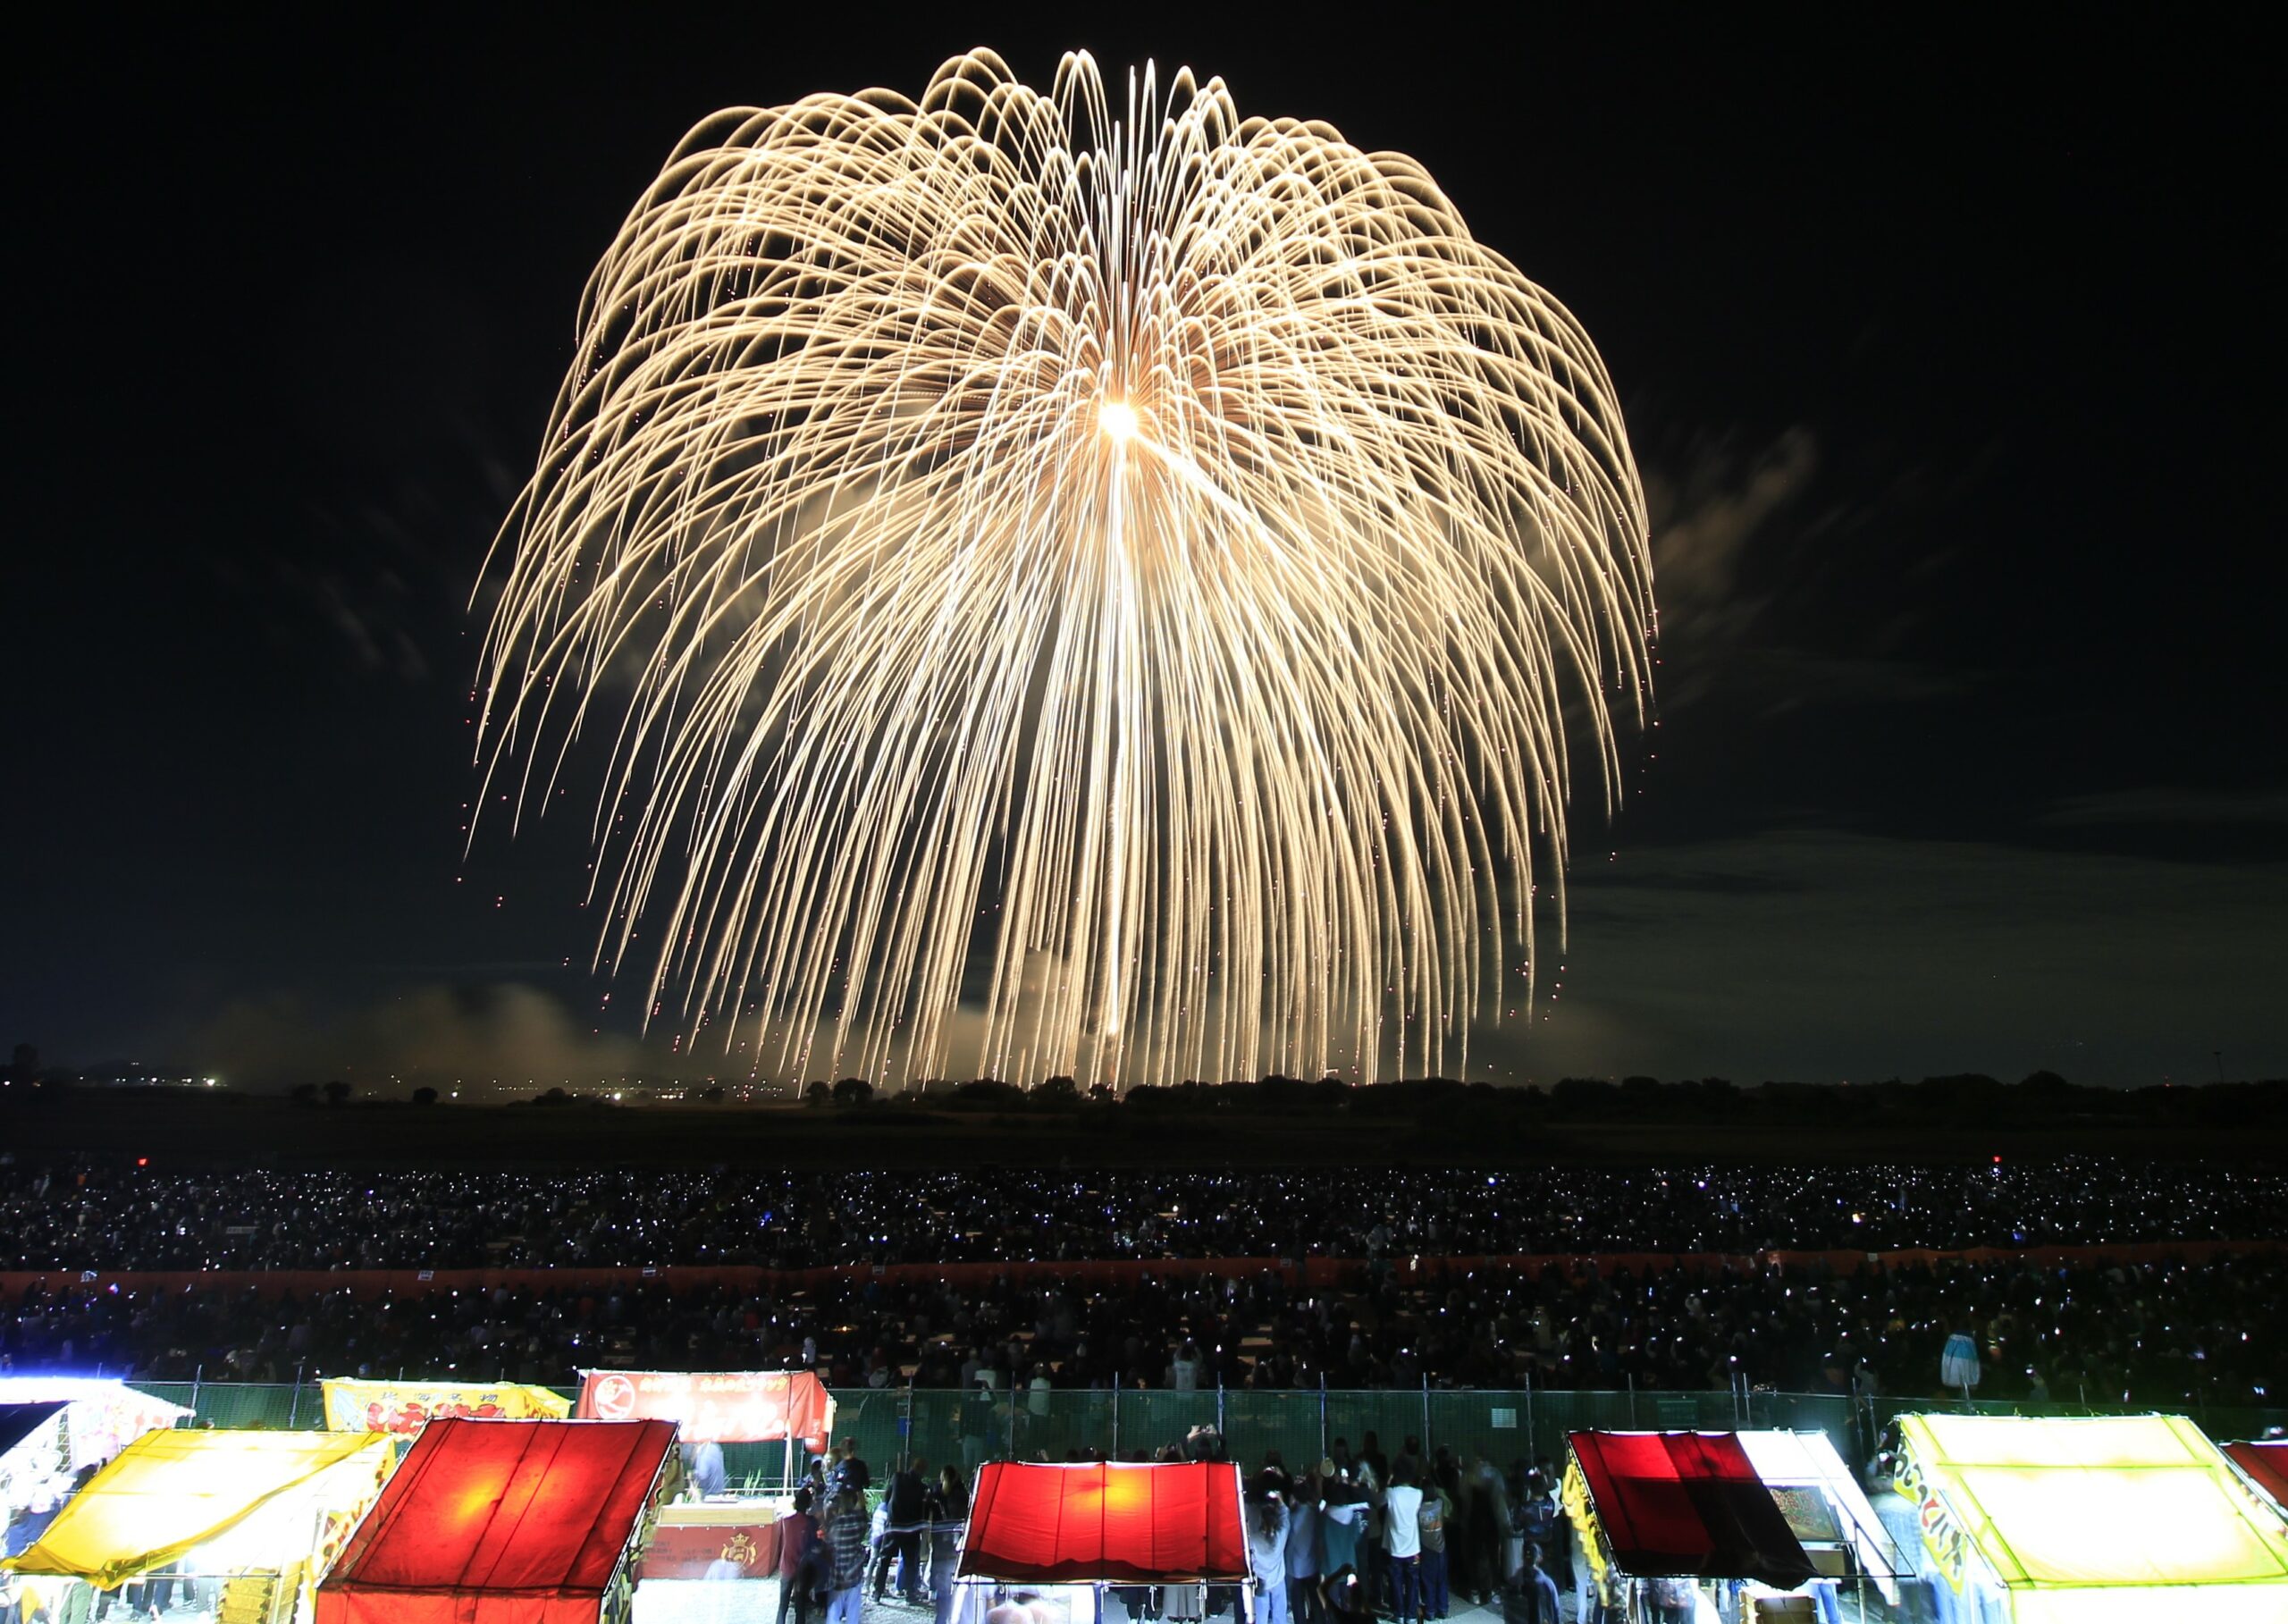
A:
(941, 743)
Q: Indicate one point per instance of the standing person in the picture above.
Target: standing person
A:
(1342, 1518)
(1269, 1528)
(855, 1474)
(799, 1555)
(1403, 1533)
(1303, 1603)
(1531, 1596)
(1674, 1600)
(905, 1504)
(948, 1514)
(1373, 1558)
(1588, 1602)
(1537, 1519)
(1489, 1527)
(1432, 1522)
(846, 1541)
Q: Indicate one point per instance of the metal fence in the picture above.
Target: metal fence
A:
(969, 1428)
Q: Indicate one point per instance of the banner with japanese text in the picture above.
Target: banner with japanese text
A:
(404, 1406)
(714, 1407)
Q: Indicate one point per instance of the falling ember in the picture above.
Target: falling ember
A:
(1146, 555)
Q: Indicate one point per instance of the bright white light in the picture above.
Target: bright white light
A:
(1117, 418)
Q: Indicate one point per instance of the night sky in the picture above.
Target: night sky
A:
(1952, 360)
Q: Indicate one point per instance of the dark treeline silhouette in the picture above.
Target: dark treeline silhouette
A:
(1970, 1099)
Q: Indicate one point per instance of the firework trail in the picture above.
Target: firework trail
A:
(1099, 584)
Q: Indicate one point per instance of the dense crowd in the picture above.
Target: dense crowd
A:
(107, 1216)
(2161, 1333)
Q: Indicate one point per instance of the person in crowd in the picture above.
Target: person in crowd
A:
(1269, 1528)
(847, 1540)
(800, 1559)
(1530, 1595)
(1536, 1520)
(1304, 1605)
(855, 1473)
(703, 1469)
(1433, 1518)
(1673, 1600)
(1403, 1532)
(905, 1522)
(1343, 1520)
(948, 1513)
(1486, 1513)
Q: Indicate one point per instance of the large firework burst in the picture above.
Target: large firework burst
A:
(1095, 588)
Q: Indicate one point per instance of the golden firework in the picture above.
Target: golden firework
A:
(1070, 589)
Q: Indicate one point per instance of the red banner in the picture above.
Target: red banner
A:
(713, 1407)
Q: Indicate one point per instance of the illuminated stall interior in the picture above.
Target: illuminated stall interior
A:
(2094, 1519)
(1768, 1518)
(232, 1528)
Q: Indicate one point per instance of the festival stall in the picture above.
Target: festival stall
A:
(1055, 1537)
(1773, 1519)
(235, 1525)
(717, 1525)
(51, 1431)
(404, 1408)
(2093, 1520)
(101, 1417)
(507, 1522)
(2265, 1463)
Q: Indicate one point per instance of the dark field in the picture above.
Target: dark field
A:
(175, 1128)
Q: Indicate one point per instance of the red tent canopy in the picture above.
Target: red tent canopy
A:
(1688, 1503)
(1114, 1524)
(2268, 1463)
(499, 1522)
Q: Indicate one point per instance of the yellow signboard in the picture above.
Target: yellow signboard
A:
(405, 1406)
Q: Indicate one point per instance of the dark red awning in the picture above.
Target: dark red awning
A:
(1687, 1503)
(501, 1522)
(2268, 1463)
(1115, 1524)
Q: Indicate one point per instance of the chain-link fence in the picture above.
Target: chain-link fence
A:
(967, 1429)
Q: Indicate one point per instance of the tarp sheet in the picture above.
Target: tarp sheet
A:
(1687, 1503)
(2266, 1464)
(2095, 1519)
(406, 1406)
(1106, 1523)
(169, 1493)
(714, 1407)
(499, 1522)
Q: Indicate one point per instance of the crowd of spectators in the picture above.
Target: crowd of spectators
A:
(2176, 1330)
(111, 1217)
(2160, 1332)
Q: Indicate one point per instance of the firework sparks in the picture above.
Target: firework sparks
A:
(1101, 583)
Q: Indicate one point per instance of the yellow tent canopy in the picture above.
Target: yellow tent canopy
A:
(2095, 1519)
(169, 1493)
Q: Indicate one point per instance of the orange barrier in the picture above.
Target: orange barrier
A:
(1308, 1272)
